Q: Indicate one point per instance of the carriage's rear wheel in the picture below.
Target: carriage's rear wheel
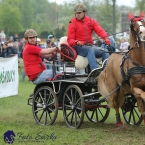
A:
(73, 106)
(130, 111)
(45, 106)
(97, 112)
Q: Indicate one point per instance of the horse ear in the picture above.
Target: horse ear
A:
(130, 16)
(142, 14)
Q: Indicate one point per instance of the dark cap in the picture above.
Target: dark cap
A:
(48, 41)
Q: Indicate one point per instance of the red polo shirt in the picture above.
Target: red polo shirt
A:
(32, 61)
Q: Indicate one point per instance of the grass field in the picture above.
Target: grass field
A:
(16, 115)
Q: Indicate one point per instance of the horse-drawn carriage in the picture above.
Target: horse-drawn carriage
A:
(77, 95)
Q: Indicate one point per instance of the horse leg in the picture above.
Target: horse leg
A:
(141, 107)
(140, 96)
(116, 105)
(119, 123)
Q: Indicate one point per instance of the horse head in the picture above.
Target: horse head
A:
(137, 27)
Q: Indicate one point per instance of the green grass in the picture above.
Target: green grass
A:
(16, 115)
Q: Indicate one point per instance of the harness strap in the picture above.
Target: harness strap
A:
(138, 69)
(125, 77)
(135, 70)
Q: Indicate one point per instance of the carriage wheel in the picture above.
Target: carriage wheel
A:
(73, 106)
(97, 113)
(130, 111)
(45, 106)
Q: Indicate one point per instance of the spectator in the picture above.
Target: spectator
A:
(16, 43)
(124, 45)
(21, 46)
(16, 38)
(112, 43)
(11, 49)
(3, 49)
(2, 36)
(57, 42)
(49, 61)
(79, 36)
(38, 42)
(99, 42)
(51, 38)
(32, 54)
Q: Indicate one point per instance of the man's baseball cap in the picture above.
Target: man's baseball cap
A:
(50, 36)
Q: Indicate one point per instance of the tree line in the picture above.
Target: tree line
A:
(50, 18)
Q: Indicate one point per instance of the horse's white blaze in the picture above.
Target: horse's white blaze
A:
(142, 29)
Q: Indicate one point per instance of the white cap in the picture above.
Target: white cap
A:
(38, 39)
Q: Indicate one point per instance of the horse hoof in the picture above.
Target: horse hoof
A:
(119, 124)
(120, 127)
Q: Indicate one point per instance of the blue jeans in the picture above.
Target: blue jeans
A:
(48, 73)
(91, 52)
(23, 76)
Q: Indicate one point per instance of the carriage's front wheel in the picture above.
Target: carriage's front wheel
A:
(130, 111)
(73, 106)
(45, 106)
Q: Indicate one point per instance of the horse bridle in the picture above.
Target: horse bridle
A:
(138, 38)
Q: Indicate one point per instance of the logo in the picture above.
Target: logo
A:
(9, 137)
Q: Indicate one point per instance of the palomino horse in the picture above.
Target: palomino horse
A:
(126, 72)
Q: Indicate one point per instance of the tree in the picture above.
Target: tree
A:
(10, 19)
(140, 5)
(27, 13)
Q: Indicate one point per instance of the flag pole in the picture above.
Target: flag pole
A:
(56, 8)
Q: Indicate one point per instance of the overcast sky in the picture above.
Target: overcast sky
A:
(119, 2)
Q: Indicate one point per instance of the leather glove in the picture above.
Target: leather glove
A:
(107, 41)
(81, 43)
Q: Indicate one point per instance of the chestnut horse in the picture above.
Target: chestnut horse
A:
(126, 72)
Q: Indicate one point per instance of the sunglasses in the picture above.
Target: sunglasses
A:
(32, 37)
(78, 12)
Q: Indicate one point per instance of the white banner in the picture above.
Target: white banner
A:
(9, 76)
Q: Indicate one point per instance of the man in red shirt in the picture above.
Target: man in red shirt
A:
(79, 36)
(32, 57)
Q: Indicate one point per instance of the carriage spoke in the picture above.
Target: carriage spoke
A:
(49, 115)
(136, 112)
(38, 104)
(78, 101)
(101, 112)
(78, 108)
(75, 117)
(45, 118)
(51, 103)
(130, 116)
(72, 117)
(69, 113)
(69, 106)
(36, 111)
(45, 94)
(78, 115)
(41, 97)
(71, 90)
(49, 98)
(97, 115)
(41, 115)
(68, 98)
(133, 117)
